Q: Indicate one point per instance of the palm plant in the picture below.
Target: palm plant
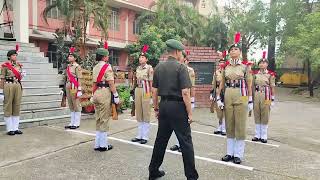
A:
(77, 14)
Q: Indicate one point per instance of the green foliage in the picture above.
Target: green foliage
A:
(306, 42)
(124, 93)
(216, 33)
(250, 18)
(154, 37)
(193, 28)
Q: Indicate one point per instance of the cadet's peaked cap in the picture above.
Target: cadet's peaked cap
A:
(174, 44)
(184, 54)
(102, 52)
(11, 52)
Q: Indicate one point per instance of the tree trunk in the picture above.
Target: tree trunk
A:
(310, 81)
(272, 36)
(244, 48)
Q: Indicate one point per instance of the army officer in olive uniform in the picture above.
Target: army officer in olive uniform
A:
(171, 81)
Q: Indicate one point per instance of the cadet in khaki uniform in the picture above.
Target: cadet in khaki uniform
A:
(11, 92)
(144, 76)
(264, 83)
(103, 86)
(171, 81)
(216, 80)
(72, 78)
(237, 78)
(185, 60)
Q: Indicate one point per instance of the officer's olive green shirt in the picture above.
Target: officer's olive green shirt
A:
(170, 77)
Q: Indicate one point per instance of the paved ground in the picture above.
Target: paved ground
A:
(50, 152)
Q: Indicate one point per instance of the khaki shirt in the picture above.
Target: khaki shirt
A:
(7, 73)
(144, 73)
(236, 70)
(75, 70)
(192, 75)
(264, 78)
(108, 75)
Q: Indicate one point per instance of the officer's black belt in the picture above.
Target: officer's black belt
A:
(171, 98)
(101, 85)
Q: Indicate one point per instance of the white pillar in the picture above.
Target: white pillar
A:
(1, 19)
(21, 20)
(35, 14)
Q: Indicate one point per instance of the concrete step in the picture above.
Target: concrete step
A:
(38, 70)
(41, 97)
(42, 65)
(41, 76)
(41, 113)
(13, 44)
(32, 83)
(21, 48)
(36, 104)
(26, 58)
(26, 54)
(41, 89)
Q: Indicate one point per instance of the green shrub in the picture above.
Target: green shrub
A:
(124, 93)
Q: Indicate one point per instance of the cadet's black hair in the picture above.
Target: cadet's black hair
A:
(99, 57)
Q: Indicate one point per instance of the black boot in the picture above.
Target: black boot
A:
(255, 139)
(227, 158)
(11, 133)
(156, 175)
(263, 140)
(236, 160)
(135, 140)
(18, 132)
(175, 148)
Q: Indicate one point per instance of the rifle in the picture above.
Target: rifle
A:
(134, 85)
(133, 107)
(64, 96)
(114, 108)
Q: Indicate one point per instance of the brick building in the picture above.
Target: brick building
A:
(29, 25)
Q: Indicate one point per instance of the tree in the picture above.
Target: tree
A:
(305, 44)
(187, 22)
(216, 34)
(292, 14)
(249, 18)
(77, 15)
(154, 38)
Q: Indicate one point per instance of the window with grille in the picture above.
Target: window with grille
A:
(114, 23)
(136, 26)
(54, 13)
(114, 57)
(203, 3)
(9, 5)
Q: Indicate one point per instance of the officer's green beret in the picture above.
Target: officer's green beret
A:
(11, 52)
(174, 44)
(102, 52)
